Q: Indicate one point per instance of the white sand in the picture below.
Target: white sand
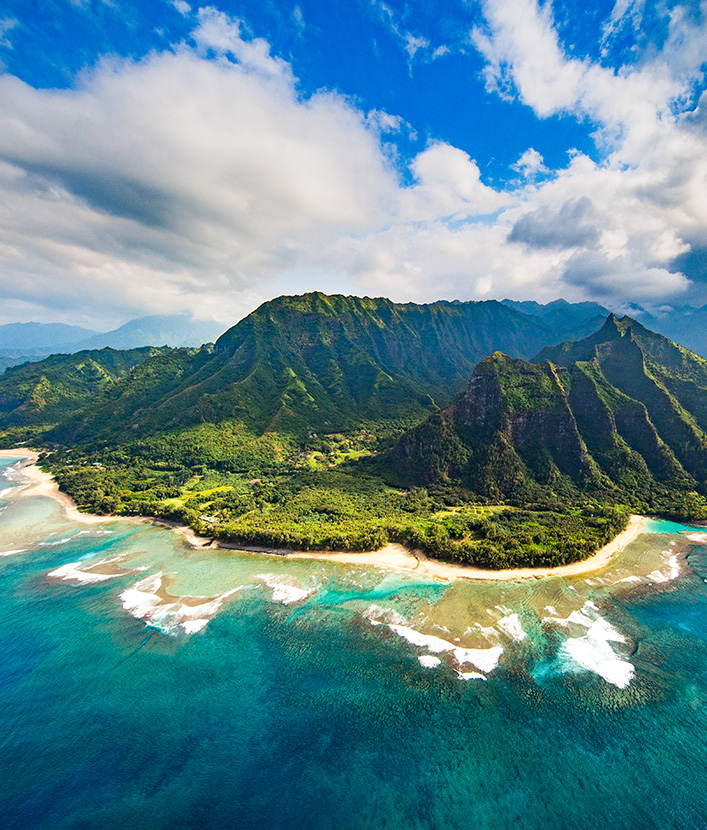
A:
(397, 557)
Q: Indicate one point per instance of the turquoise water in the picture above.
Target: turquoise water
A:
(307, 715)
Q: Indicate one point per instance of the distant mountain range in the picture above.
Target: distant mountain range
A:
(25, 342)
(555, 322)
(620, 415)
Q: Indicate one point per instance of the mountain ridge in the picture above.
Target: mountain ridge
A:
(633, 424)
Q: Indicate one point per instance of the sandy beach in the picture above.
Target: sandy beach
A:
(393, 556)
(43, 484)
(400, 558)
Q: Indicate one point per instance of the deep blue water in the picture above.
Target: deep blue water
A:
(306, 716)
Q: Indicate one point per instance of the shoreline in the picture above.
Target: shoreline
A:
(392, 557)
(396, 556)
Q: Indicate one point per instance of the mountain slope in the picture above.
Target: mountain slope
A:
(43, 392)
(566, 320)
(315, 362)
(619, 415)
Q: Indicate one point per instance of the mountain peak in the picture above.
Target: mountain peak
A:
(625, 418)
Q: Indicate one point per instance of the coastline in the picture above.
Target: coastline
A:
(392, 557)
(43, 484)
(395, 556)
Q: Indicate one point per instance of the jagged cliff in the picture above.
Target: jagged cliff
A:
(620, 414)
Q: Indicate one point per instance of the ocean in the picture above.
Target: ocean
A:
(145, 684)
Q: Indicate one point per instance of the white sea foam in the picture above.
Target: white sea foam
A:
(429, 661)
(192, 626)
(12, 552)
(73, 573)
(700, 538)
(282, 592)
(57, 542)
(630, 579)
(470, 675)
(484, 659)
(377, 615)
(673, 571)
(488, 632)
(593, 651)
(142, 600)
(511, 626)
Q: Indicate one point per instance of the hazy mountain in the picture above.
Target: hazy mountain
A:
(11, 357)
(28, 342)
(157, 330)
(568, 321)
(686, 326)
(40, 338)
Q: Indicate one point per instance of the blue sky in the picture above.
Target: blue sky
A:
(168, 156)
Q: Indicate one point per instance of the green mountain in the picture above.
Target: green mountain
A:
(312, 363)
(31, 342)
(44, 392)
(279, 434)
(619, 416)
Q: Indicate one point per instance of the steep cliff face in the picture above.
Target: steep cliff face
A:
(511, 429)
(619, 414)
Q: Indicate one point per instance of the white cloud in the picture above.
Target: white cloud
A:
(222, 34)
(448, 183)
(298, 19)
(530, 164)
(202, 179)
(6, 25)
(178, 180)
(411, 43)
(181, 6)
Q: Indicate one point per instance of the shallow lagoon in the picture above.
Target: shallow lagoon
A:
(287, 706)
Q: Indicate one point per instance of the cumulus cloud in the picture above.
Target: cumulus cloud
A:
(630, 215)
(201, 178)
(574, 224)
(448, 183)
(178, 178)
(530, 164)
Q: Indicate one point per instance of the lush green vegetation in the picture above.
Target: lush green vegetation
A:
(269, 492)
(43, 393)
(616, 418)
(297, 365)
(308, 426)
